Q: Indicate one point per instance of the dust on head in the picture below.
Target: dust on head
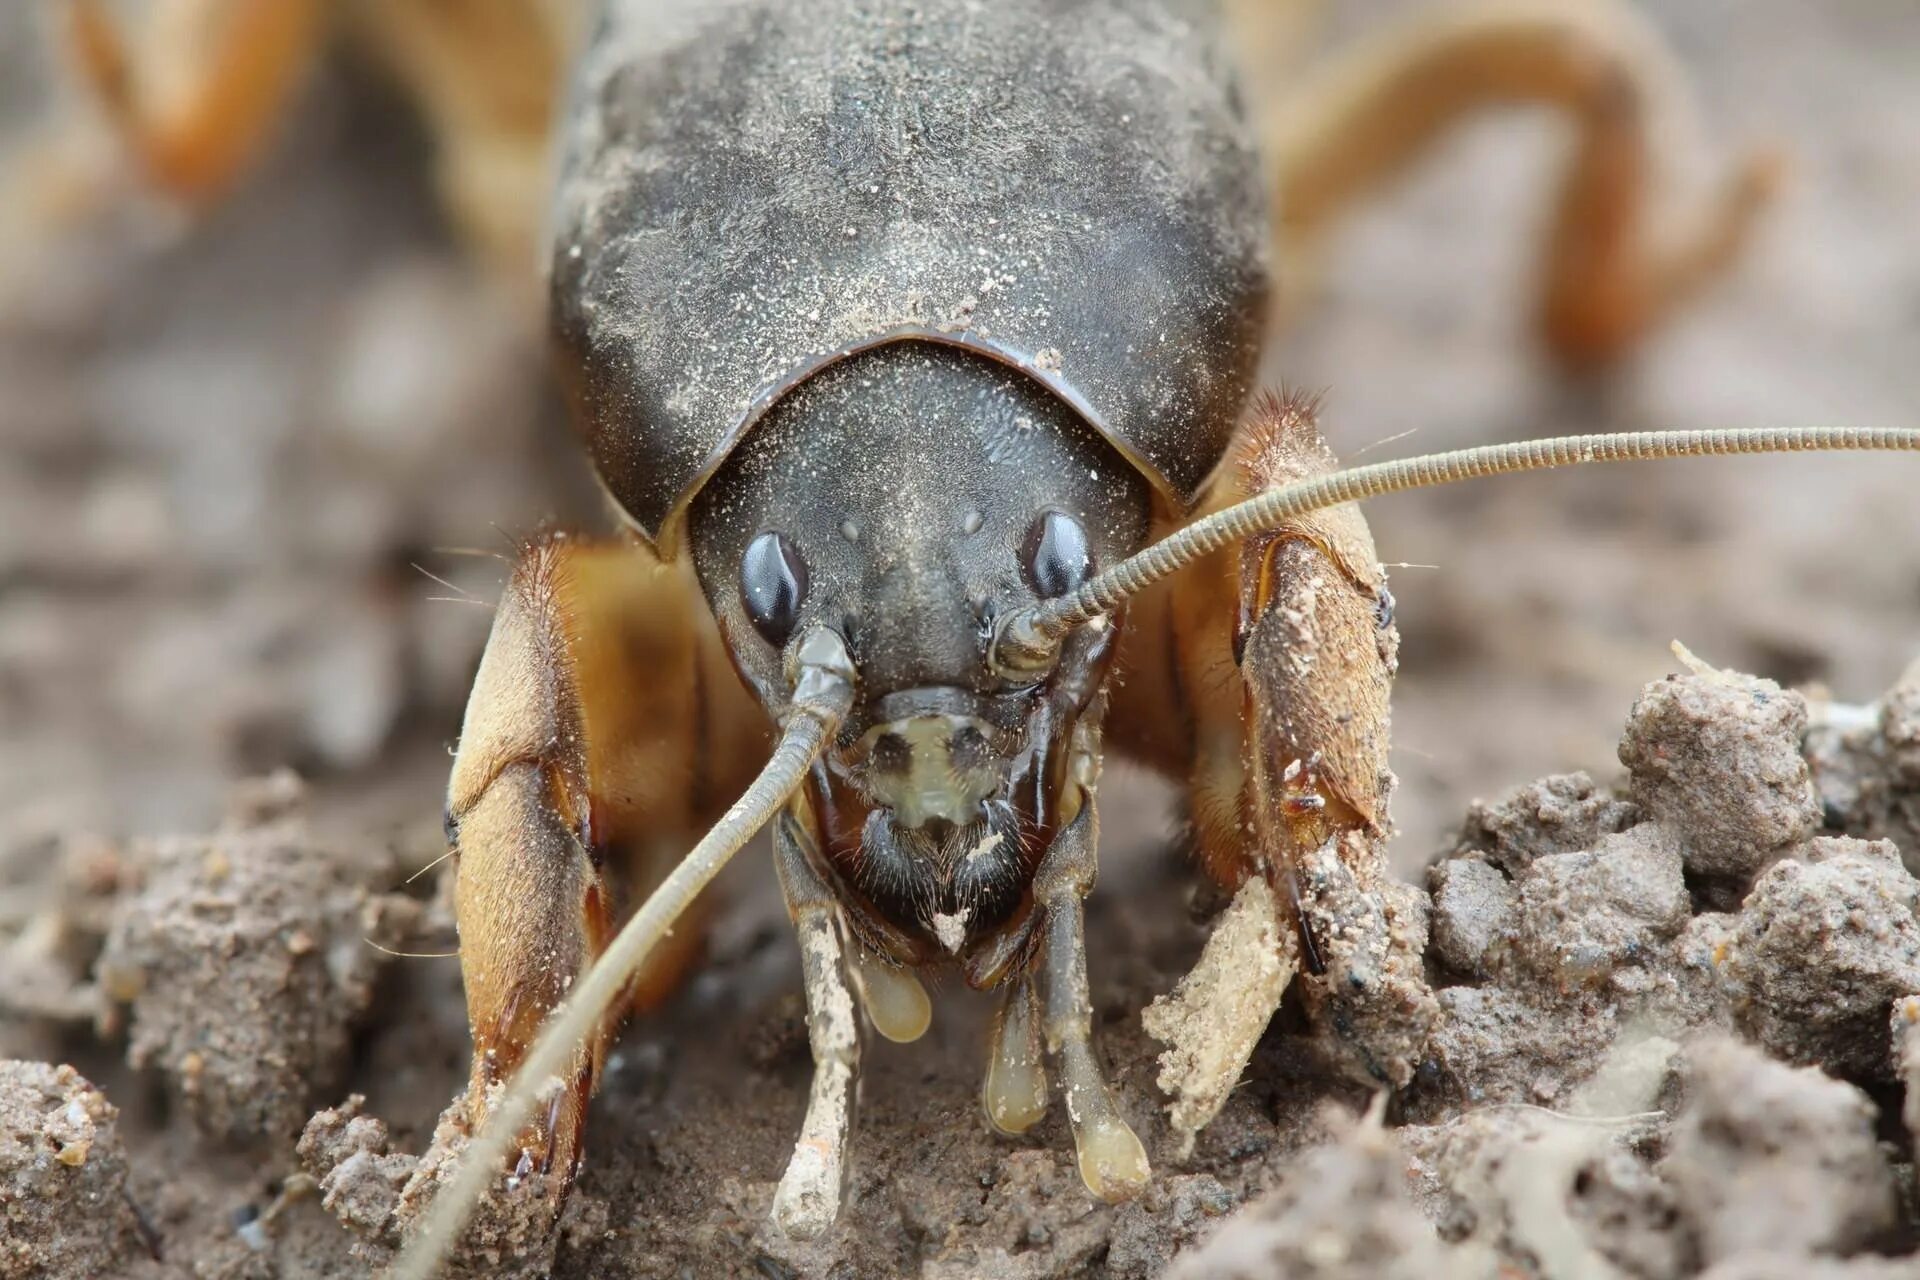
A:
(907, 497)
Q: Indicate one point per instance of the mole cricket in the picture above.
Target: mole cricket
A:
(915, 348)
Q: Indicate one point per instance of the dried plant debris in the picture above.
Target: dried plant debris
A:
(1212, 1020)
(1619, 1028)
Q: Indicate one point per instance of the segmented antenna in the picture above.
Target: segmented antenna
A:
(823, 694)
(1028, 639)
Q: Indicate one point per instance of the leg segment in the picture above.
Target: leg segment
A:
(1014, 1094)
(220, 74)
(808, 1199)
(1616, 263)
(1317, 649)
(580, 776)
(487, 75)
(896, 1003)
(1284, 653)
(199, 93)
(1113, 1164)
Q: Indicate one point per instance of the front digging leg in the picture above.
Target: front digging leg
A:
(579, 772)
(1286, 653)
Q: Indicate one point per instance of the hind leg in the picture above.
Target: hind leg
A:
(591, 758)
(487, 75)
(197, 95)
(213, 78)
(1618, 258)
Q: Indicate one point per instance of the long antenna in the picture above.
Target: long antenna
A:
(823, 694)
(1028, 639)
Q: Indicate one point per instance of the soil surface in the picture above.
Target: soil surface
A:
(1607, 1037)
(1626, 1013)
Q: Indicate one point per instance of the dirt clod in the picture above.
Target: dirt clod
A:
(246, 958)
(379, 1194)
(1555, 1193)
(360, 1178)
(511, 1234)
(1341, 1211)
(1473, 906)
(1715, 759)
(63, 1177)
(1823, 949)
(1372, 1006)
(1866, 766)
(1585, 917)
(1558, 814)
(1775, 1161)
(1906, 1058)
(1900, 727)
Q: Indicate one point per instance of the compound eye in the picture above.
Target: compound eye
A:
(773, 583)
(1056, 558)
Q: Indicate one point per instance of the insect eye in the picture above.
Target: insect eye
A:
(773, 583)
(1056, 558)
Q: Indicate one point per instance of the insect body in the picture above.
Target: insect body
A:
(895, 320)
(847, 383)
(886, 324)
(896, 329)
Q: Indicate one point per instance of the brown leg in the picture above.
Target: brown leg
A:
(1615, 264)
(1285, 656)
(195, 110)
(1283, 653)
(580, 776)
(486, 74)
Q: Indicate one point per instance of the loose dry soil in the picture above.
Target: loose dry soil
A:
(1652, 1019)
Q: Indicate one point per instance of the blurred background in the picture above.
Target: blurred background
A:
(227, 439)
